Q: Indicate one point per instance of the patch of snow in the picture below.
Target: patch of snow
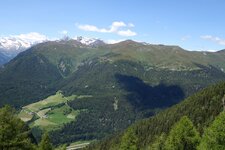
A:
(89, 41)
(14, 44)
(145, 43)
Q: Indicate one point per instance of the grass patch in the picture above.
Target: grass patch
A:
(43, 112)
(60, 115)
(51, 112)
(43, 122)
(25, 116)
(51, 101)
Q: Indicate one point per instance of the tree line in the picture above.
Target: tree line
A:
(183, 136)
(16, 135)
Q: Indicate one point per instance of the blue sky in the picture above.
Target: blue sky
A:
(192, 24)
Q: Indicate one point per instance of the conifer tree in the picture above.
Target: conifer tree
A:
(129, 140)
(183, 136)
(45, 143)
(214, 136)
(14, 134)
(159, 143)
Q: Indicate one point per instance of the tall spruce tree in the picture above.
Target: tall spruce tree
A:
(214, 136)
(45, 143)
(159, 143)
(14, 134)
(129, 140)
(183, 136)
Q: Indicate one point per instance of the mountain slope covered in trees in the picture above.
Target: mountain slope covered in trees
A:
(202, 108)
(50, 66)
(124, 82)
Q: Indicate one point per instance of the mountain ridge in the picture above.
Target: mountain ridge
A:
(11, 46)
(131, 79)
(66, 56)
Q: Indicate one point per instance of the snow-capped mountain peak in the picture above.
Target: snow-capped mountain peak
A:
(89, 41)
(85, 40)
(14, 44)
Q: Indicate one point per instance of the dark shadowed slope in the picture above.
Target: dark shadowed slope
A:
(201, 108)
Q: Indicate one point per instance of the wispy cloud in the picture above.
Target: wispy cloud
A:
(214, 39)
(116, 27)
(63, 32)
(131, 25)
(126, 33)
(32, 37)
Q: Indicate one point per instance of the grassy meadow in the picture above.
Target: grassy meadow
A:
(50, 113)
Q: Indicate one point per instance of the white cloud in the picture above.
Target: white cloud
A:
(126, 33)
(32, 37)
(115, 27)
(89, 28)
(214, 39)
(131, 25)
(64, 32)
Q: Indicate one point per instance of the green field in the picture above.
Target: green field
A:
(62, 115)
(51, 101)
(25, 115)
(51, 112)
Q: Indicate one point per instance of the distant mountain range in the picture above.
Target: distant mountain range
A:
(113, 85)
(11, 46)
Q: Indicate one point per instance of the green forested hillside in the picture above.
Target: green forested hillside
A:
(36, 73)
(201, 108)
(125, 82)
(129, 94)
(27, 78)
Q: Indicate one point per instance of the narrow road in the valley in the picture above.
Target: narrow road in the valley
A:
(77, 146)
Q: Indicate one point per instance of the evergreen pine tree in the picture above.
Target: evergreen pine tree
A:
(214, 136)
(14, 134)
(159, 143)
(129, 140)
(61, 147)
(45, 143)
(183, 136)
